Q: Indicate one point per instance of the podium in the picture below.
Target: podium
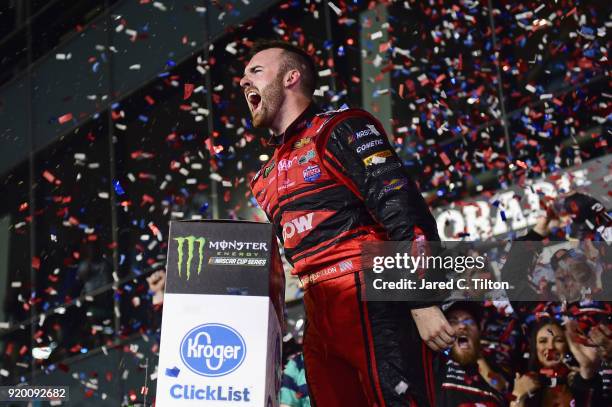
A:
(221, 330)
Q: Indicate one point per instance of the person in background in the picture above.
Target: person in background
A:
(550, 380)
(294, 389)
(157, 283)
(467, 378)
(602, 338)
(601, 335)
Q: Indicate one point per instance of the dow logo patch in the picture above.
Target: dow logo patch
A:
(187, 246)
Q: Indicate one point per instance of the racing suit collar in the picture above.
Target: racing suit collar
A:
(296, 125)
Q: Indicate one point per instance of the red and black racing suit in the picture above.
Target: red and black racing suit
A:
(332, 184)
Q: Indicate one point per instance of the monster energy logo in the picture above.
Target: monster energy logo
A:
(191, 241)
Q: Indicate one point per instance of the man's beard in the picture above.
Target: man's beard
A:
(464, 357)
(271, 100)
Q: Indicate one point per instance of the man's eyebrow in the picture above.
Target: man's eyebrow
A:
(252, 68)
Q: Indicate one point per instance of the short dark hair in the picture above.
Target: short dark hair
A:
(295, 58)
(471, 307)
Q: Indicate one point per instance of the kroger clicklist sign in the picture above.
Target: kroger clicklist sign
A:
(212, 350)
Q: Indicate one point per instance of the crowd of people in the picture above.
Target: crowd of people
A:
(524, 353)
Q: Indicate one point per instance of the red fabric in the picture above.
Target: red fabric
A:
(339, 352)
(297, 173)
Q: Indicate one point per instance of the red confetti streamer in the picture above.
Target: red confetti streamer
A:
(65, 118)
(445, 158)
(147, 199)
(187, 91)
(48, 176)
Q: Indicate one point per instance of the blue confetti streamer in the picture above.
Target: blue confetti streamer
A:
(118, 189)
(174, 372)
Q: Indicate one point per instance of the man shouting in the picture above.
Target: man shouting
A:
(334, 183)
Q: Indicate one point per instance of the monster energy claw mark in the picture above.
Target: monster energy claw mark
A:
(191, 240)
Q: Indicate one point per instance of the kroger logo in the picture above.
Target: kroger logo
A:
(213, 350)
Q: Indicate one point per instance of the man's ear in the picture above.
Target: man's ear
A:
(292, 77)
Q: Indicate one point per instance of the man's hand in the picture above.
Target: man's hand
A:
(545, 224)
(157, 283)
(524, 386)
(585, 353)
(433, 327)
(601, 336)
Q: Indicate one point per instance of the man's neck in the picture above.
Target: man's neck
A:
(289, 111)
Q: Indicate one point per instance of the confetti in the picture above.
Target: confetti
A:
(118, 189)
(188, 90)
(434, 62)
(174, 372)
(42, 352)
(65, 118)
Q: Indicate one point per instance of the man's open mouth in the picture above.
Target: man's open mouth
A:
(463, 342)
(254, 100)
